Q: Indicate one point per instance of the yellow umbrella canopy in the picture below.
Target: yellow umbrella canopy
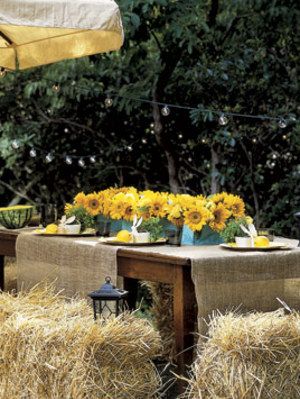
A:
(38, 32)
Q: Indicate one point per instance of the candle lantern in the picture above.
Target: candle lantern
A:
(108, 300)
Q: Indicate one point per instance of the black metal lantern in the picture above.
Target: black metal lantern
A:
(108, 300)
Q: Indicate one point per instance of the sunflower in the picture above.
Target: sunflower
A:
(197, 216)
(175, 214)
(158, 205)
(68, 208)
(220, 216)
(93, 204)
(235, 205)
(80, 199)
(220, 197)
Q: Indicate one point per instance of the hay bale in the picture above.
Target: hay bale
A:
(163, 316)
(256, 356)
(52, 349)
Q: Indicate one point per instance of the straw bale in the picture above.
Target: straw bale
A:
(163, 316)
(256, 356)
(52, 349)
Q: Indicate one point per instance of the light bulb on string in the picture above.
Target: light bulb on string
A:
(66, 130)
(81, 162)
(223, 120)
(180, 136)
(32, 152)
(108, 102)
(68, 160)
(165, 111)
(15, 144)
(56, 88)
(254, 140)
(282, 123)
(152, 125)
(49, 157)
(129, 148)
(284, 137)
(92, 159)
(144, 141)
(2, 72)
(274, 156)
(203, 141)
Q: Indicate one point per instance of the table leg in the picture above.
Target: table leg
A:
(184, 316)
(131, 285)
(2, 272)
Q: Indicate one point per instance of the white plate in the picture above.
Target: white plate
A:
(272, 247)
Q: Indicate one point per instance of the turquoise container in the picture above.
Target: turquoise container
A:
(109, 227)
(117, 225)
(205, 237)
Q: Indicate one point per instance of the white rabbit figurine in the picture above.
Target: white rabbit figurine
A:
(250, 231)
(136, 236)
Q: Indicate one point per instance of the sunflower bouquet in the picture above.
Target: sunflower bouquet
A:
(194, 212)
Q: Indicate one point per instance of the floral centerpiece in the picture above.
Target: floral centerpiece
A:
(201, 218)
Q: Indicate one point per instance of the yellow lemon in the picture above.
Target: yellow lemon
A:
(51, 229)
(261, 241)
(123, 236)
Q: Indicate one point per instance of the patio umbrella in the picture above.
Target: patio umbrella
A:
(38, 32)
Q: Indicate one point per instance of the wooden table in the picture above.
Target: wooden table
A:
(135, 266)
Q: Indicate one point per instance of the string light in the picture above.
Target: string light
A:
(92, 159)
(68, 160)
(81, 162)
(180, 136)
(284, 137)
(56, 88)
(2, 72)
(129, 148)
(223, 120)
(49, 157)
(108, 102)
(165, 111)
(144, 141)
(152, 125)
(15, 144)
(282, 123)
(204, 141)
(32, 153)
(254, 140)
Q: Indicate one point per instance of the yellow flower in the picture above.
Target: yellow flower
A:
(80, 199)
(93, 204)
(123, 206)
(235, 205)
(68, 208)
(220, 214)
(158, 203)
(220, 197)
(197, 216)
(249, 220)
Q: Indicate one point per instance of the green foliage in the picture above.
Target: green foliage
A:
(82, 216)
(218, 55)
(154, 227)
(233, 229)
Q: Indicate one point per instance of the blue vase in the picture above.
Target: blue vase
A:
(117, 225)
(205, 237)
(102, 225)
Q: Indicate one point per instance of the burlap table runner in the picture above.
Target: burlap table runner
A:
(226, 280)
(77, 266)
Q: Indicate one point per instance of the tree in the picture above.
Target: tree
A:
(216, 55)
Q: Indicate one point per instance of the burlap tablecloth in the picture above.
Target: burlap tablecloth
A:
(226, 280)
(76, 265)
(223, 279)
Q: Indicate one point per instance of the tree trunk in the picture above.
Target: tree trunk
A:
(215, 185)
(165, 144)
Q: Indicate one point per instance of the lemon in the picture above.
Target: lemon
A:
(51, 229)
(123, 236)
(261, 241)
